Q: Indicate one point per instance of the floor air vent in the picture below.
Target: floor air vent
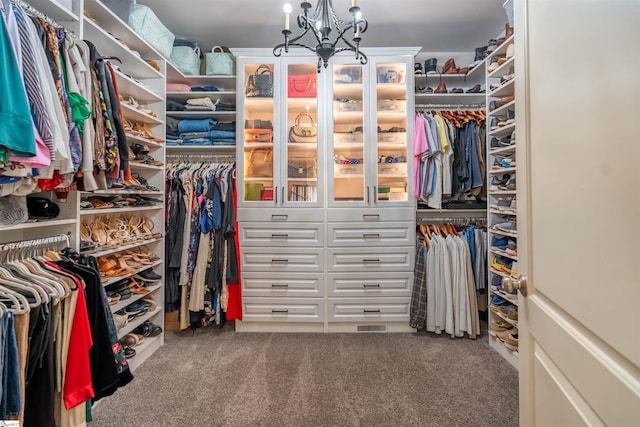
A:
(372, 328)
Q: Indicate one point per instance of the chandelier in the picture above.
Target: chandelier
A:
(323, 21)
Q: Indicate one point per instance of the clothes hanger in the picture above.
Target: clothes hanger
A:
(11, 282)
(35, 268)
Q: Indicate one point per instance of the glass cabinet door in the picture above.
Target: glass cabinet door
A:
(348, 136)
(301, 172)
(391, 182)
(260, 178)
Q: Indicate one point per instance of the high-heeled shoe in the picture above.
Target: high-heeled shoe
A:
(144, 131)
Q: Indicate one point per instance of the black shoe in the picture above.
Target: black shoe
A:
(148, 276)
(430, 65)
(417, 68)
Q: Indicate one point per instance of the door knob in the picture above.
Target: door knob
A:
(510, 283)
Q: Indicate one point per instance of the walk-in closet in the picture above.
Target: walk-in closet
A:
(307, 214)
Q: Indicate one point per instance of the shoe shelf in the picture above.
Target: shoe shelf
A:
(109, 251)
(510, 355)
(134, 297)
(505, 149)
(503, 170)
(495, 310)
(503, 131)
(503, 254)
(130, 326)
(120, 191)
(109, 46)
(506, 89)
(224, 150)
(220, 115)
(502, 70)
(149, 345)
(503, 109)
(504, 193)
(138, 165)
(130, 87)
(476, 72)
(132, 273)
(144, 141)
(442, 76)
(513, 299)
(122, 210)
(132, 113)
(500, 50)
(503, 233)
(174, 75)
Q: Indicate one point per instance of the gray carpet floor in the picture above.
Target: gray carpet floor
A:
(216, 377)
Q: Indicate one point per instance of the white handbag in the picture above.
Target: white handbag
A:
(145, 22)
(186, 59)
(220, 61)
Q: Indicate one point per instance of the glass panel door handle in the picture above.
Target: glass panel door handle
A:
(509, 284)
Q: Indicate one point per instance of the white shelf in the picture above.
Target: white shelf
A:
(113, 280)
(116, 191)
(39, 223)
(137, 165)
(450, 98)
(257, 179)
(504, 254)
(351, 175)
(509, 355)
(504, 90)
(134, 297)
(500, 50)
(503, 193)
(144, 141)
(54, 10)
(503, 170)
(129, 87)
(442, 76)
(110, 251)
(174, 75)
(222, 149)
(502, 70)
(511, 298)
(223, 95)
(503, 316)
(109, 46)
(505, 149)
(137, 322)
(503, 131)
(359, 145)
(504, 213)
(132, 113)
(123, 210)
(472, 212)
(511, 105)
(302, 179)
(503, 233)
(202, 114)
(251, 145)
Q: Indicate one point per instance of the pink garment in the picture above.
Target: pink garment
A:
(420, 146)
(42, 159)
(178, 87)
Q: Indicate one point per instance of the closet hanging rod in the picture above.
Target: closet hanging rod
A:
(34, 245)
(201, 156)
(30, 10)
(453, 220)
(450, 106)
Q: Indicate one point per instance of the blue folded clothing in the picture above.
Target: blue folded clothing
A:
(208, 88)
(196, 125)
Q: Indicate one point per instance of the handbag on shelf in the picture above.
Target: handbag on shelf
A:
(302, 168)
(258, 124)
(220, 62)
(258, 135)
(186, 59)
(260, 83)
(260, 163)
(145, 22)
(303, 86)
(303, 132)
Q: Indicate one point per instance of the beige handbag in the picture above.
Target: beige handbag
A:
(260, 163)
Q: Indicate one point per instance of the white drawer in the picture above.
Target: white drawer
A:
(369, 309)
(371, 259)
(372, 215)
(279, 234)
(282, 285)
(359, 234)
(280, 215)
(283, 309)
(261, 259)
(392, 284)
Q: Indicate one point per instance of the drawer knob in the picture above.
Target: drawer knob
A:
(371, 235)
(279, 285)
(371, 285)
(279, 261)
(377, 310)
(279, 311)
(371, 217)
(279, 236)
(279, 217)
(371, 260)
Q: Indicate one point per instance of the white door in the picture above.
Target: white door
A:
(578, 121)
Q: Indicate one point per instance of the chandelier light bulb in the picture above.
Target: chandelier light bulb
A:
(287, 8)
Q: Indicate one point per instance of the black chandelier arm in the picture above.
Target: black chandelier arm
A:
(277, 50)
(352, 48)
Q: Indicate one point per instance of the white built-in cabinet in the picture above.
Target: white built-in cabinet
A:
(326, 224)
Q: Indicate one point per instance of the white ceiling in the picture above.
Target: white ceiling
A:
(436, 25)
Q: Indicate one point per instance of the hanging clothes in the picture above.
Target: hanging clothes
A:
(201, 242)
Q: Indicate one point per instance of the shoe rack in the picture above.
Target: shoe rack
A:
(502, 210)
(449, 87)
(226, 93)
(126, 222)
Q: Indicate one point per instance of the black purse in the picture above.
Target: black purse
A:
(260, 83)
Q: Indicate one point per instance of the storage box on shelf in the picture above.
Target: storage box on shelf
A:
(501, 146)
(132, 223)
